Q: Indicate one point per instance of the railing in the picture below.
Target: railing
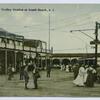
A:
(18, 45)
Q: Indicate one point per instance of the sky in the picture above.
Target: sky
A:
(33, 23)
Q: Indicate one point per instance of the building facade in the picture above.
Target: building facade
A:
(14, 50)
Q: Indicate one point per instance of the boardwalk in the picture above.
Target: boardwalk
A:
(60, 84)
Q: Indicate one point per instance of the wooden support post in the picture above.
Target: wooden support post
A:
(6, 68)
(15, 59)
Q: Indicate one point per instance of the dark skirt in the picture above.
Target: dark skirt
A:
(90, 80)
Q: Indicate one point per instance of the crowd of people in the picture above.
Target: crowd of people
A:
(35, 74)
(24, 73)
(84, 75)
(67, 68)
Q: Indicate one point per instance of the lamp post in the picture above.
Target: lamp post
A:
(48, 51)
(49, 35)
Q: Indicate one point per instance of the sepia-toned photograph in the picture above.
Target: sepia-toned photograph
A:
(50, 50)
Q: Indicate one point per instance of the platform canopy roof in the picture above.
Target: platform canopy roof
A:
(8, 35)
(32, 42)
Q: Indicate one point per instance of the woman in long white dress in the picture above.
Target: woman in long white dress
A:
(81, 78)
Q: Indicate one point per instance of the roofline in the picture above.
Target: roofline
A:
(35, 40)
(74, 54)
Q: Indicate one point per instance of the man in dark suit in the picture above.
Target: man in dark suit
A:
(10, 75)
(26, 76)
(98, 74)
(36, 75)
(22, 72)
(75, 70)
(48, 71)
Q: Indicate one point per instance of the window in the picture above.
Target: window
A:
(8, 41)
(19, 43)
(3, 40)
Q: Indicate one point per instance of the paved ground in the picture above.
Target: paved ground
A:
(60, 84)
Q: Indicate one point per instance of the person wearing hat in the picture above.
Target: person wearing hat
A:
(26, 76)
(98, 74)
(75, 70)
(36, 75)
(79, 81)
(90, 77)
(10, 75)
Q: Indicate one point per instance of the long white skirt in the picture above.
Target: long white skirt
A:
(79, 80)
(67, 69)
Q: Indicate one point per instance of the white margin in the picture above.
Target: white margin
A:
(50, 1)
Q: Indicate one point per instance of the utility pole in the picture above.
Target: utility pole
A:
(6, 58)
(96, 43)
(49, 34)
(49, 44)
